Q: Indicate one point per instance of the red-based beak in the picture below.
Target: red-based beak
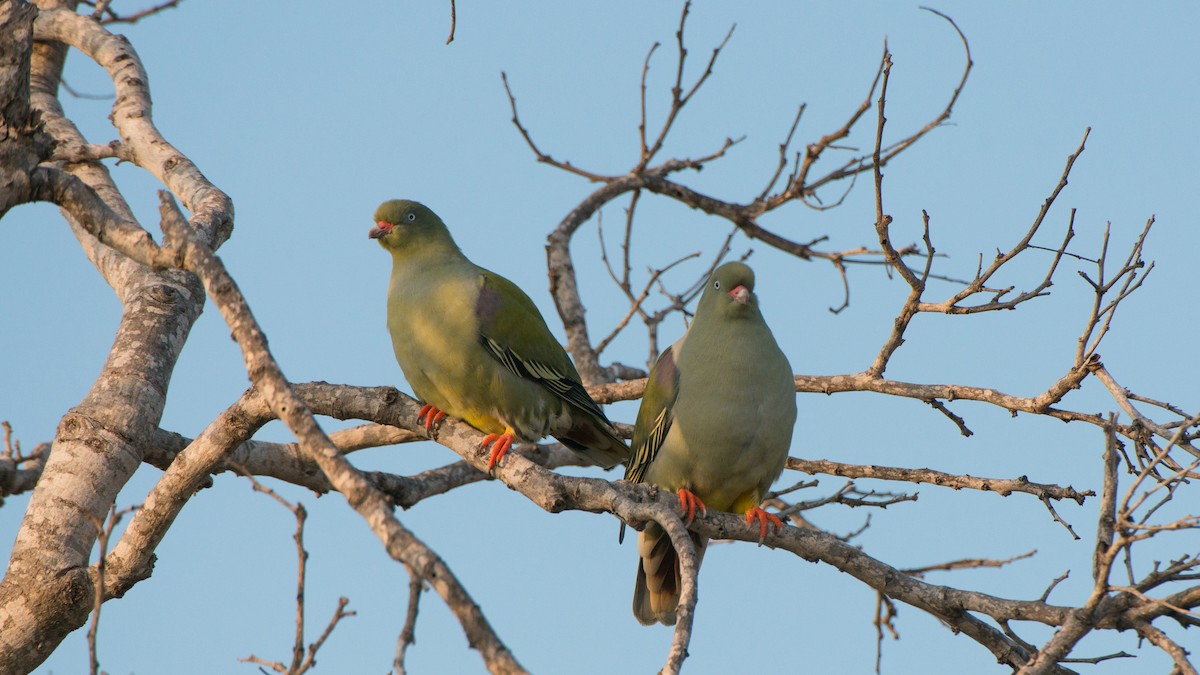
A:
(740, 295)
(381, 228)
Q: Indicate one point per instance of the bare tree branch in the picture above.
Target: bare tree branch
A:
(51, 589)
(655, 178)
(301, 663)
(104, 533)
(408, 634)
(1003, 486)
(105, 14)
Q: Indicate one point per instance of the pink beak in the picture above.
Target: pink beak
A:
(740, 295)
(381, 228)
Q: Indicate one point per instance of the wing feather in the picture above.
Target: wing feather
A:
(513, 331)
(655, 415)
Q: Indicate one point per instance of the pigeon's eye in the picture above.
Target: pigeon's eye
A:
(717, 285)
(412, 217)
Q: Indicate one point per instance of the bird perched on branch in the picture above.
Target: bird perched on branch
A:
(474, 346)
(714, 425)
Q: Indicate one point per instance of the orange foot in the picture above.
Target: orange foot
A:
(690, 502)
(430, 416)
(500, 444)
(766, 521)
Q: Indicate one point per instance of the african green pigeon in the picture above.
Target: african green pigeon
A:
(714, 425)
(474, 346)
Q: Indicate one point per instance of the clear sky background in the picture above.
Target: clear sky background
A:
(308, 116)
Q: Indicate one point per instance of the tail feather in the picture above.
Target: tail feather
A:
(595, 441)
(656, 590)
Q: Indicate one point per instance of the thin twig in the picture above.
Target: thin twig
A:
(103, 535)
(105, 14)
(408, 634)
(966, 564)
(1001, 486)
(1050, 508)
(302, 661)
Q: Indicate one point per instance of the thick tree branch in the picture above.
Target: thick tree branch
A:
(48, 588)
(212, 210)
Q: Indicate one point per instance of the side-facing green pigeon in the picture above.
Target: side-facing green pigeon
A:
(715, 425)
(474, 346)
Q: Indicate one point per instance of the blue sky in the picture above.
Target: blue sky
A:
(308, 119)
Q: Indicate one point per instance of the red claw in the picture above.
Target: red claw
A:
(766, 521)
(689, 503)
(430, 416)
(500, 445)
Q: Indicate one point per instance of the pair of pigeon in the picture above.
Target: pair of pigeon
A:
(715, 421)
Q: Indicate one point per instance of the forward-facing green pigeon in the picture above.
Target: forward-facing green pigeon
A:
(715, 425)
(474, 346)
